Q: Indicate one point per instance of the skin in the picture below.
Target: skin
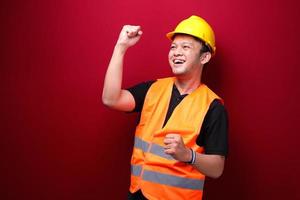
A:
(186, 63)
(186, 49)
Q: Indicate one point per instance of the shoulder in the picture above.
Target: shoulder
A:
(217, 105)
(216, 111)
(139, 92)
(140, 87)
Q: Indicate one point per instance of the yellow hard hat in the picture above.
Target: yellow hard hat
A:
(197, 27)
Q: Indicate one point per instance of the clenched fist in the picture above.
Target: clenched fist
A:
(175, 147)
(129, 36)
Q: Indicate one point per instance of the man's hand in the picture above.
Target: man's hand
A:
(176, 148)
(129, 36)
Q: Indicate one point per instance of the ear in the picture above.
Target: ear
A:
(205, 58)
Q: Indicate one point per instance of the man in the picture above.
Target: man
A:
(182, 133)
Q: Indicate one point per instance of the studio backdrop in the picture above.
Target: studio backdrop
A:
(59, 142)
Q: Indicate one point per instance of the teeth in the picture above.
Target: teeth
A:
(177, 61)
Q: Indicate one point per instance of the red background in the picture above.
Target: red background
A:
(59, 142)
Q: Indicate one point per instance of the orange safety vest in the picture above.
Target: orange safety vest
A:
(158, 175)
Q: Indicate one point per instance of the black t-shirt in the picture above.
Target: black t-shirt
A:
(213, 134)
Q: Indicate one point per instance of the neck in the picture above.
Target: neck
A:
(187, 85)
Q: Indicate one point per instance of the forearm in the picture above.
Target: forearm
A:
(113, 78)
(210, 165)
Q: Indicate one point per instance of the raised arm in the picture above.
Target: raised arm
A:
(113, 95)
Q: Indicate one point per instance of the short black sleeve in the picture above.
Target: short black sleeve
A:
(139, 92)
(213, 135)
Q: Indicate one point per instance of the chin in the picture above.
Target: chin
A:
(178, 70)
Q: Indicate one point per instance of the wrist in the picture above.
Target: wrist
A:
(120, 48)
(192, 157)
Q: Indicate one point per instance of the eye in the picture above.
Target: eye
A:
(186, 47)
(173, 47)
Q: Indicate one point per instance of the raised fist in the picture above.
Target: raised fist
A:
(129, 35)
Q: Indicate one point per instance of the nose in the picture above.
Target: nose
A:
(178, 52)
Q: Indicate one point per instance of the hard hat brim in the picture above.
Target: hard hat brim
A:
(170, 35)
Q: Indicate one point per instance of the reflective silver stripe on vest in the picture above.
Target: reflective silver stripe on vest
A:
(155, 148)
(140, 144)
(159, 151)
(136, 170)
(171, 180)
(166, 179)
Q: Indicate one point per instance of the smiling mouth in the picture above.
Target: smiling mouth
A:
(178, 61)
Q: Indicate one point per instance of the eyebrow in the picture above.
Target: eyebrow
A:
(181, 43)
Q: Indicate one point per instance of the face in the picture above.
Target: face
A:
(184, 55)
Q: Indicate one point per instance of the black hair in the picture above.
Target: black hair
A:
(205, 47)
